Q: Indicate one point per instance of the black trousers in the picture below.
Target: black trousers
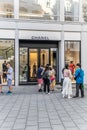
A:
(79, 86)
(46, 85)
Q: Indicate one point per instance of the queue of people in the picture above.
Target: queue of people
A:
(46, 79)
(78, 75)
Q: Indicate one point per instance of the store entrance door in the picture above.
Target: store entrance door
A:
(33, 64)
(31, 58)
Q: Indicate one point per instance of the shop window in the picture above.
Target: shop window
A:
(39, 9)
(6, 9)
(71, 10)
(84, 9)
(72, 52)
(6, 55)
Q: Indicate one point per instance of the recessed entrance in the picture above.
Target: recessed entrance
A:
(32, 55)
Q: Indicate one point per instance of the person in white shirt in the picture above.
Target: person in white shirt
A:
(9, 77)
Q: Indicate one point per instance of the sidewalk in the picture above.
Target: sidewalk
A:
(26, 109)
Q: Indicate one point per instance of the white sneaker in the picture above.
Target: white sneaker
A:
(69, 97)
(48, 93)
(63, 96)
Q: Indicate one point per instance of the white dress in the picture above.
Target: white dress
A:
(67, 85)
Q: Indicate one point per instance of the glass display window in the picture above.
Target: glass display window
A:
(39, 9)
(72, 51)
(71, 10)
(6, 55)
(6, 8)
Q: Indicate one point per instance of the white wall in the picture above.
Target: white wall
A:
(48, 34)
(84, 54)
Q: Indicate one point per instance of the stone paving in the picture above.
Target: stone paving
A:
(26, 109)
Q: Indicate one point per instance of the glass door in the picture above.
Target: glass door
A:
(44, 56)
(53, 60)
(33, 64)
(31, 59)
(23, 66)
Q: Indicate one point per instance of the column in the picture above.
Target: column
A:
(16, 57)
(62, 10)
(61, 55)
(16, 9)
(80, 11)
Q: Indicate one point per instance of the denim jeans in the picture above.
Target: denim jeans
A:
(79, 86)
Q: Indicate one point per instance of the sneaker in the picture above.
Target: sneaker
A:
(48, 93)
(63, 96)
(75, 96)
(9, 92)
(82, 96)
(69, 97)
(1, 92)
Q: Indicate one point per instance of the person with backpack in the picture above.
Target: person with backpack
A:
(79, 77)
(39, 78)
(46, 79)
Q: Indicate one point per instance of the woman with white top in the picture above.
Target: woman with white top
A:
(67, 85)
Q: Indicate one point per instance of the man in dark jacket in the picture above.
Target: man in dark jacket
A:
(46, 78)
(79, 77)
(39, 78)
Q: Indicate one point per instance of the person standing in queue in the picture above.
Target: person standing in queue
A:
(67, 85)
(9, 77)
(39, 78)
(46, 79)
(79, 77)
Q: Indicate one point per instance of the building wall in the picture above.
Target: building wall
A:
(59, 31)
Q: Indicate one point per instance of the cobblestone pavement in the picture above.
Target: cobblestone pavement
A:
(26, 109)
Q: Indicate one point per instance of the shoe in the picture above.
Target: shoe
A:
(40, 90)
(48, 93)
(1, 92)
(69, 97)
(63, 96)
(75, 96)
(9, 92)
(82, 96)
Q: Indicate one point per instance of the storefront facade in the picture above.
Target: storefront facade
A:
(29, 42)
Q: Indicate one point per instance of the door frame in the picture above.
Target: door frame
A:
(39, 44)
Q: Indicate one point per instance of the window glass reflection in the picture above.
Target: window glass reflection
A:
(23, 64)
(6, 8)
(39, 9)
(44, 56)
(71, 10)
(84, 7)
(6, 55)
(72, 52)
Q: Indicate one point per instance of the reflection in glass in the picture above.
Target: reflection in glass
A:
(6, 8)
(71, 10)
(6, 54)
(44, 56)
(23, 65)
(53, 56)
(33, 63)
(84, 7)
(72, 52)
(39, 9)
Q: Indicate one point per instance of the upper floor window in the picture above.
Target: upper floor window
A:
(6, 8)
(84, 7)
(71, 10)
(39, 9)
